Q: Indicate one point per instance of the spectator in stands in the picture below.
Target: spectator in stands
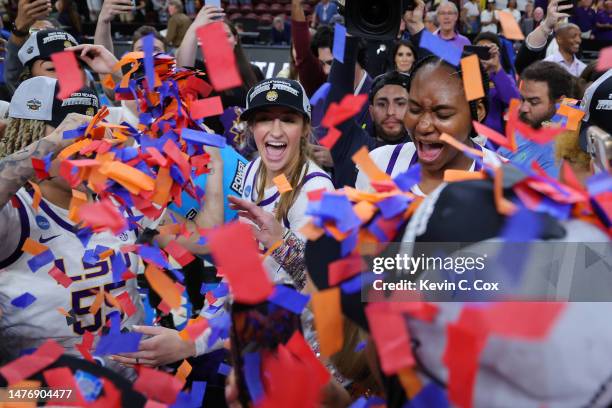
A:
(501, 4)
(281, 31)
(544, 84)
(235, 2)
(569, 40)
(404, 56)
(528, 23)
(447, 18)
(94, 7)
(502, 87)
(431, 22)
(603, 22)
(513, 10)
(178, 24)
(584, 17)
(472, 15)
(488, 18)
(324, 12)
(321, 46)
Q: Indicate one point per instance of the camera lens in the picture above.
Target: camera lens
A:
(375, 13)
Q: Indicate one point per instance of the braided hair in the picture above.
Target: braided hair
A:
(19, 134)
(435, 60)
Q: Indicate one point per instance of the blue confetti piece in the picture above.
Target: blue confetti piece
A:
(40, 260)
(89, 385)
(23, 301)
(409, 178)
(90, 257)
(199, 137)
(149, 64)
(84, 235)
(74, 133)
(348, 244)
(321, 94)
(339, 42)
(153, 255)
(221, 290)
(115, 343)
(441, 48)
(207, 287)
(100, 249)
(289, 299)
(352, 285)
(252, 376)
(115, 321)
(177, 175)
(431, 396)
(599, 183)
(118, 266)
(193, 399)
(557, 210)
(360, 346)
(360, 403)
(394, 205)
(523, 226)
(224, 369)
(47, 159)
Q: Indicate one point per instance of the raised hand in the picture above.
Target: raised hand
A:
(267, 229)
(97, 57)
(111, 8)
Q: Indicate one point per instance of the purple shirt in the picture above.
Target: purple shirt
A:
(584, 18)
(502, 90)
(458, 40)
(603, 17)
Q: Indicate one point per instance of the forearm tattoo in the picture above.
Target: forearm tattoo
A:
(290, 255)
(16, 169)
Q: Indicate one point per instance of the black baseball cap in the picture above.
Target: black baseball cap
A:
(36, 98)
(597, 105)
(276, 92)
(389, 78)
(41, 44)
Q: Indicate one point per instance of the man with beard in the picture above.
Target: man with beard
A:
(388, 102)
(544, 84)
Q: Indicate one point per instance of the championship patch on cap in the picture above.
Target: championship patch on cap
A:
(277, 92)
(42, 44)
(33, 104)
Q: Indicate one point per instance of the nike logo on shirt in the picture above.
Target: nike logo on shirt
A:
(44, 240)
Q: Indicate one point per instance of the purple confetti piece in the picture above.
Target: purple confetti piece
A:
(90, 257)
(198, 137)
(409, 178)
(23, 301)
(153, 255)
(599, 183)
(149, 64)
(440, 48)
(84, 235)
(252, 376)
(115, 343)
(289, 299)
(348, 244)
(339, 42)
(360, 346)
(40, 260)
(118, 266)
(394, 205)
(224, 369)
(430, 396)
(523, 226)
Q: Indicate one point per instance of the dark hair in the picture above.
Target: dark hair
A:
(146, 30)
(244, 66)
(433, 60)
(70, 9)
(389, 78)
(323, 38)
(503, 55)
(560, 82)
(396, 47)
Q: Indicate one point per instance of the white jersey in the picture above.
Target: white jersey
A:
(41, 320)
(397, 159)
(314, 179)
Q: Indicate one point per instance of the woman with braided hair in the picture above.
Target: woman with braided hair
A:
(436, 106)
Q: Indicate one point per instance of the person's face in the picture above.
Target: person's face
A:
(437, 105)
(404, 58)
(511, 4)
(278, 132)
(158, 46)
(230, 36)
(325, 58)
(536, 106)
(447, 17)
(43, 68)
(171, 9)
(278, 24)
(570, 40)
(538, 14)
(41, 25)
(388, 110)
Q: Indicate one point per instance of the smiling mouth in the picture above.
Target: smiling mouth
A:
(275, 150)
(429, 152)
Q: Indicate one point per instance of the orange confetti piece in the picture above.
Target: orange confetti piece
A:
(328, 320)
(163, 185)
(452, 175)
(74, 148)
(282, 183)
(169, 229)
(510, 27)
(472, 79)
(97, 303)
(78, 199)
(183, 370)
(106, 253)
(112, 300)
(108, 81)
(365, 163)
(460, 146)
(410, 382)
(163, 285)
(37, 196)
(129, 177)
(33, 247)
(365, 210)
(273, 248)
(574, 116)
(310, 231)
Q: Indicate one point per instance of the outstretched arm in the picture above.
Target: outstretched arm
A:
(186, 53)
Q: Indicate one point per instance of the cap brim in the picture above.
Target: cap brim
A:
(246, 114)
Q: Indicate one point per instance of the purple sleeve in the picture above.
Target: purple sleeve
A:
(505, 85)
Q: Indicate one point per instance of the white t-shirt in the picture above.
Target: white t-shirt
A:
(41, 320)
(472, 9)
(501, 4)
(485, 18)
(515, 13)
(397, 159)
(315, 179)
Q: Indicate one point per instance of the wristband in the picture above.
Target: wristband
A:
(18, 32)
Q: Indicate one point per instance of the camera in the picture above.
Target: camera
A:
(374, 19)
(599, 147)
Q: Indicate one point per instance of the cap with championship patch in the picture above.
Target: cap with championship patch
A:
(36, 98)
(276, 92)
(389, 78)
(597, 105)
(42, 44)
